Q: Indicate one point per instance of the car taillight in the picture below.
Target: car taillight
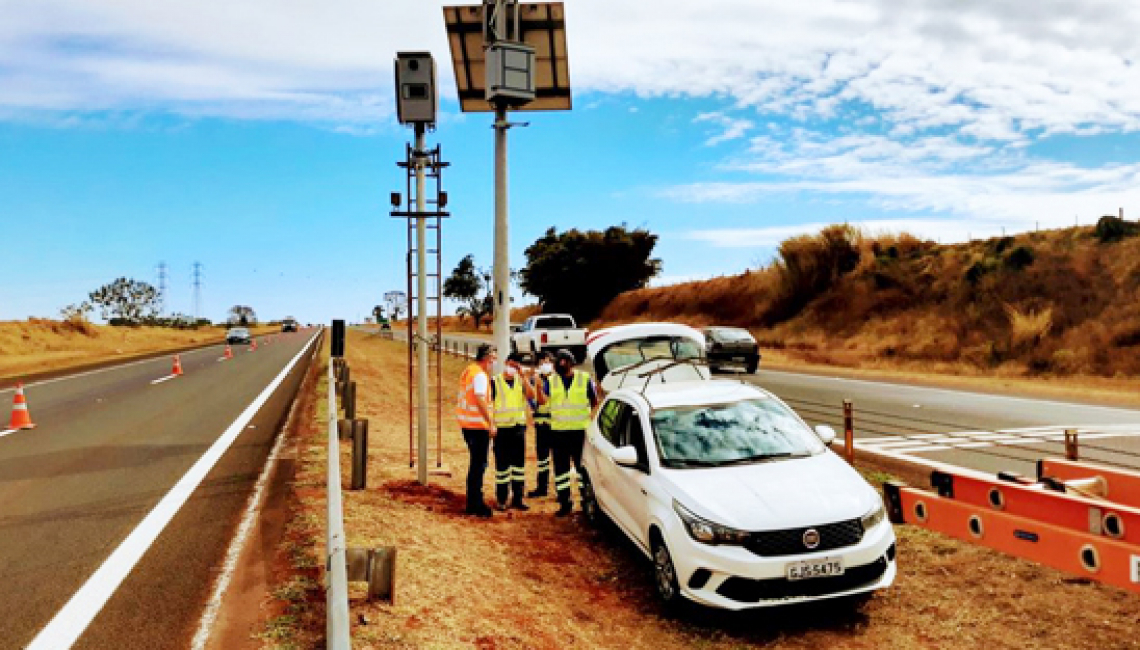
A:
(545, 338)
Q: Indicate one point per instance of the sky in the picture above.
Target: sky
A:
(259, 138)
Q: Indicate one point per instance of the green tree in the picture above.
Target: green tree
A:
(471, 286)
(242, 315)
(378, 313)
(126, 301)
(580, 272)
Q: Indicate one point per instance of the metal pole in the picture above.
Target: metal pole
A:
(848, 432)
(1072, 451)
(421, 311)
(502, 254)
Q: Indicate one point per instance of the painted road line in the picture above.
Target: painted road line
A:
(69, 623)
(166, 378)
(7, 432)
(88, 373)
(920, 448)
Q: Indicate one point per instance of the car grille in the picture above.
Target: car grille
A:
(774, 543)
(745, 590)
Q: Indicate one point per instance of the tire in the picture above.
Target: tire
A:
(533, 353)
(590, 508)
(665, 575)
(753, 365)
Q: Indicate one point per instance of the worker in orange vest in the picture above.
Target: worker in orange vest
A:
(477, 421)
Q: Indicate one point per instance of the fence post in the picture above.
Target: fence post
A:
(848, 432)
(359, 454)
(1072, 449)
(350, 400)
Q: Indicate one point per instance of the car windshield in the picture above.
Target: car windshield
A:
(554, 323)
(730, 335)
(741, 432)
(625, 353)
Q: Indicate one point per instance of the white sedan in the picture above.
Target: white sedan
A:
(737, 502)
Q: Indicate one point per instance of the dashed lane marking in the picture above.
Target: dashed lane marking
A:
(162, 379)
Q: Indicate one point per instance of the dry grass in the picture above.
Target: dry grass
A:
(531, 581)
(1055, 303)
(38, 344)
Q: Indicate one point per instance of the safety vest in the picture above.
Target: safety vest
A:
(542, 414)
(467, 408)
(510, 403)
(569, 410)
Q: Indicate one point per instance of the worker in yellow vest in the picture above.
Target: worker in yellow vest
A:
(477, 421)
(510, 391)
(543, 444)
(573, 399)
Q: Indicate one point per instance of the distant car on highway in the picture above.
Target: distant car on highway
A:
(734, 499)
(289, 325)
(238, 335)
(731, 346)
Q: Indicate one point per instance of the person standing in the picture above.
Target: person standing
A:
(477, 421)
(543, 443)
(510, 391)
(573, 398)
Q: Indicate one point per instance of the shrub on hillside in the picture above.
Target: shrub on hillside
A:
(809, 264)
(1113, 229)
(1019, 258)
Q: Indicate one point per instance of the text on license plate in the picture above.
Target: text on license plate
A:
(822, 568)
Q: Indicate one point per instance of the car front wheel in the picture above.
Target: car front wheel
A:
(590, 508)
(665, 575)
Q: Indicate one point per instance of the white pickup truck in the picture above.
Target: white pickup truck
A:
(550, 332)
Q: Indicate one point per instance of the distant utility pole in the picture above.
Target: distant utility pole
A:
(162, 288)
(197, 290)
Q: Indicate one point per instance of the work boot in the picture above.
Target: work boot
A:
(564, 510)
(518, 504)
(537, 492)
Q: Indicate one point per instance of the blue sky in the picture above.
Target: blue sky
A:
(260, 140)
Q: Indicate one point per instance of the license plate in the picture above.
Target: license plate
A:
(822, 568)
(740, 359)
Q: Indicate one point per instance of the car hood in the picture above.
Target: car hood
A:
(789, 493)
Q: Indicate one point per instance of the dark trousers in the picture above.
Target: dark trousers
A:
(567, 451)
(477, 442)
(510, 454)
(543, 445)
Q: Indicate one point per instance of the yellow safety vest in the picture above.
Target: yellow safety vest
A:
(510, 403)
(542, 414)
(569, 410)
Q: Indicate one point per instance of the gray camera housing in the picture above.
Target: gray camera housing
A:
(416, 99)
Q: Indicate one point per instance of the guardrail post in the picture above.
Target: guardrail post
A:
(848, 432)
(359, 454)
(344, 429)
(1072, 449)
(350, 400)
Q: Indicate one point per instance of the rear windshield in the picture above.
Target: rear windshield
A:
(624, 353)
(730, 334)
(554, 323)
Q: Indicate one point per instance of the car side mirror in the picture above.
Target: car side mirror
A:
(625, 456)
(825, 433)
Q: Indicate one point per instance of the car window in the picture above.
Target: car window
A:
(556, 323)
(744, 431)
(631, 351)
(610, 421)
(636, 437)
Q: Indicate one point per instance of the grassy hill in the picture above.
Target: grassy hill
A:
(1057, 302)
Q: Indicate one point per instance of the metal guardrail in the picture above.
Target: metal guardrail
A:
(337, 631)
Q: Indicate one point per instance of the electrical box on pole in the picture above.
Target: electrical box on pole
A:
(510, 73)
(416, 99)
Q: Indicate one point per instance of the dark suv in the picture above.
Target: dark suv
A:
(288, 325)
(725, 346)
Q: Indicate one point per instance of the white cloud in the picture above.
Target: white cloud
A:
(730, 128)
(941, 230)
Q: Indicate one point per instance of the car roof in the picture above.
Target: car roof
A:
(609, 335)
(693, 393)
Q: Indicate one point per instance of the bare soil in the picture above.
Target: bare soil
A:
(528, 580)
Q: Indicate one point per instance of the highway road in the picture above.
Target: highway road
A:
(117, 510)
(984, 431)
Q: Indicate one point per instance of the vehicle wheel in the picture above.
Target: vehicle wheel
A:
(753, 364)
(533, 353)
(665, 574)
(590, 508)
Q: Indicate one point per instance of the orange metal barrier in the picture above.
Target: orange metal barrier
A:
(1039, 502)
(1123, 486)
(1091, 556)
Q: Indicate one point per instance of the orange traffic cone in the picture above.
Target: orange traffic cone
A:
(229, 352)
(20, 417)
(252, 345)
(177, 367)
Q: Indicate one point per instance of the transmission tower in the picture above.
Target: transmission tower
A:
(197, 290)
(162, 288)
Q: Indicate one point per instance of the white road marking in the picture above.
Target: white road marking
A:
(237, 544)
(903, 445)
(102, 370)
(7, 432)
(166, 378)
(70, 622)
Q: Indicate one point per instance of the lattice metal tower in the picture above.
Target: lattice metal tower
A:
(197, 290)
(162, 288)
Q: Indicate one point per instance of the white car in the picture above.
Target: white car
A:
(738, 503)
(624, 355)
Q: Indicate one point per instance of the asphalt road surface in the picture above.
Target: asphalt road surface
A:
(106, 539)
(982, 431)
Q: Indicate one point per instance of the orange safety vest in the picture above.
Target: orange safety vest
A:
(467, 409)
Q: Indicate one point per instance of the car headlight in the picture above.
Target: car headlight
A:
(874, 517)
(705, 531)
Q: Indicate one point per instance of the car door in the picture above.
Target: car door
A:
(630, 484)
(610, 436)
